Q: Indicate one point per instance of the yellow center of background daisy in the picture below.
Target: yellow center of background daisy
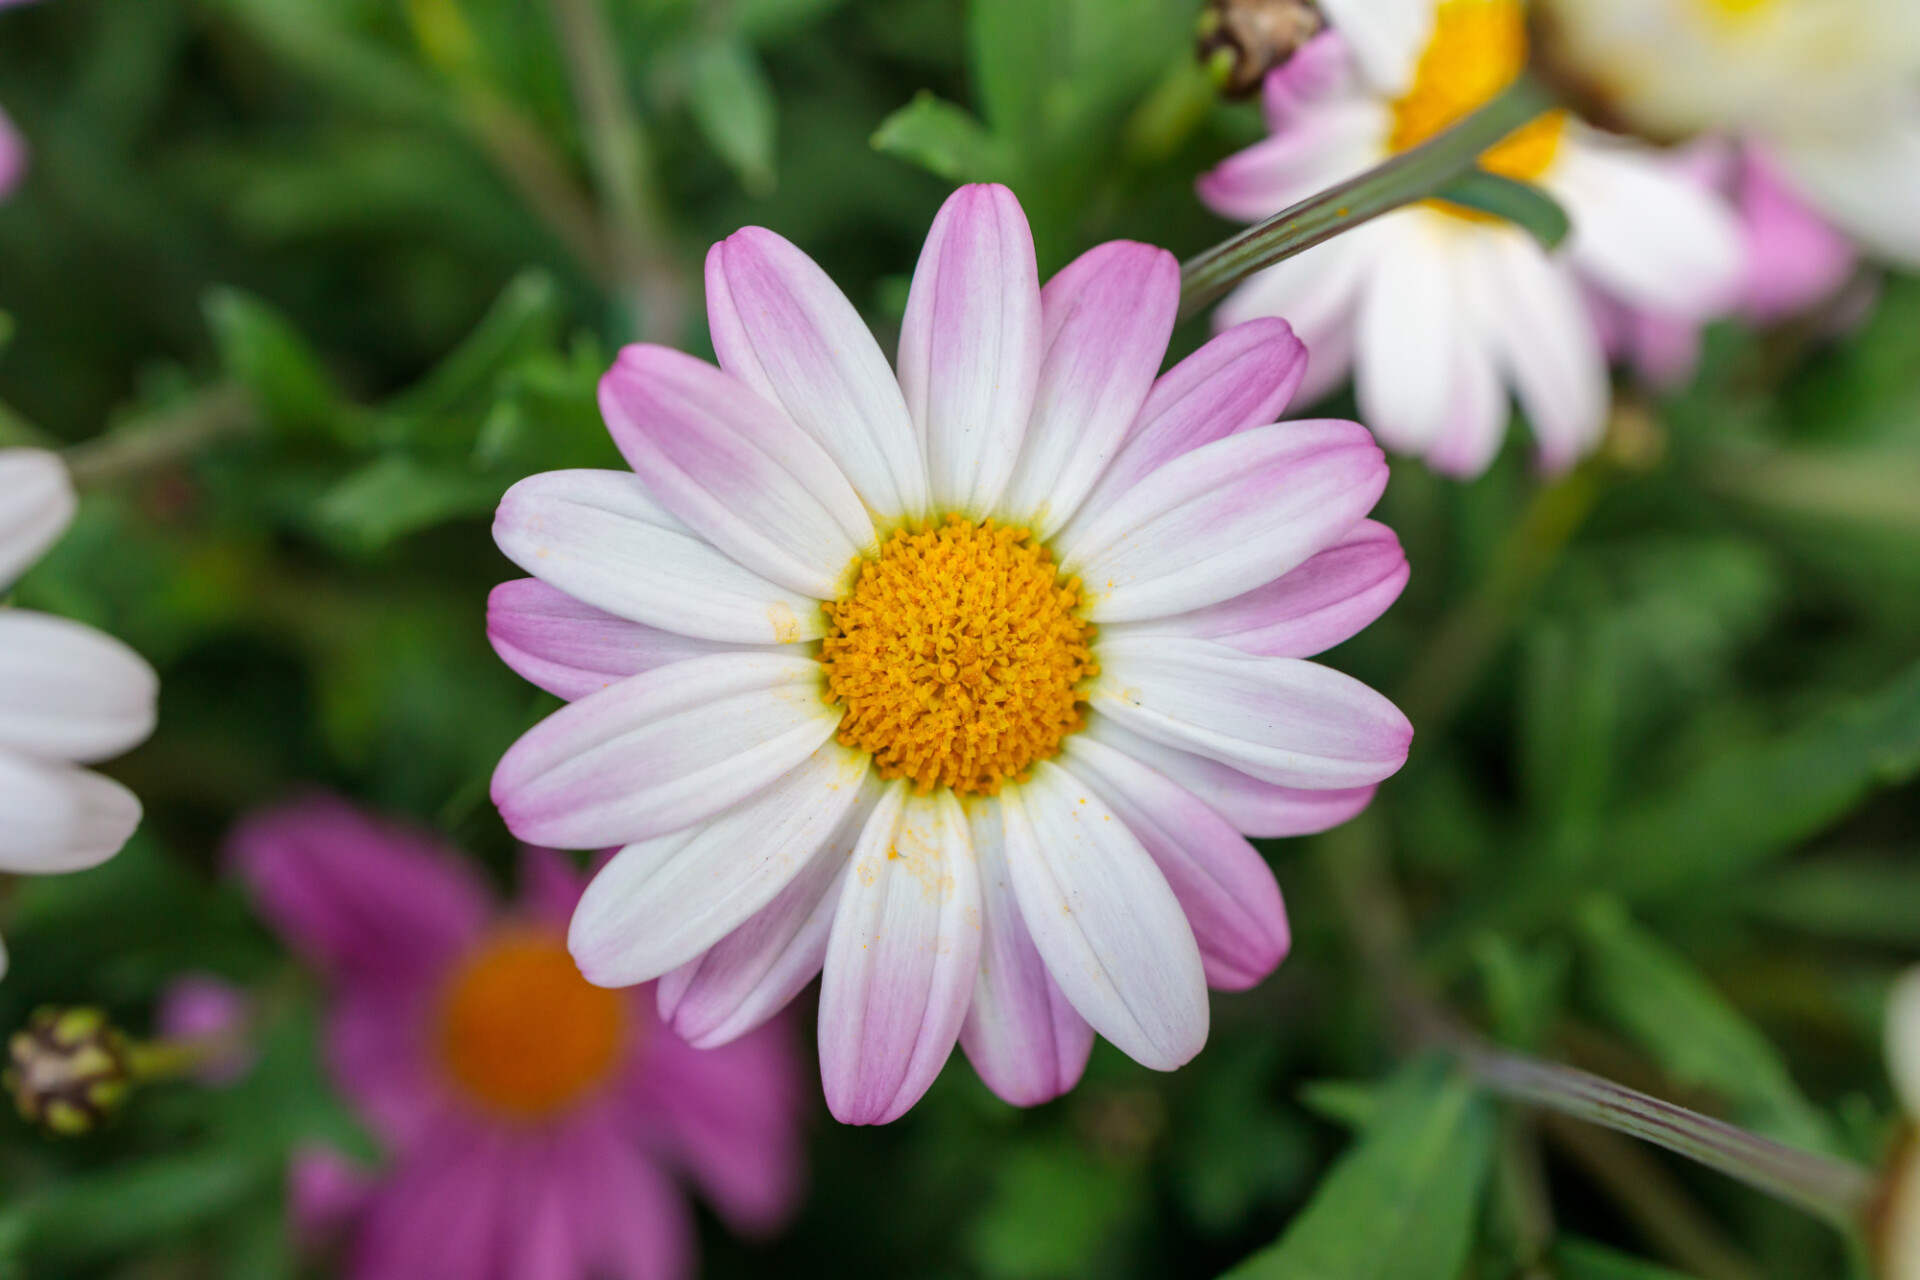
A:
(1479, 47)
(522, 1032)
(958, 656)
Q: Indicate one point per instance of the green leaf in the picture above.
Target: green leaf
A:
(767, 20)
(1699, 1039)
(1859, 899)
(523, 321)
(1576, 1259)
(263, 352)
(734, 106)
(1051, 1209)
(942, 139)
(88, 1215)
(1521, 203)
(397, 495)
(1402, 1205)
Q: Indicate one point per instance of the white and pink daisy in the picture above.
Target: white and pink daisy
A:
(69, 696)
(1436, 309)
(960, 684)
(1826, 92)
(535, 1127)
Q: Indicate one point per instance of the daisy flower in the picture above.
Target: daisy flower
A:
(68, 696)
(960, 684)
(1827, 90)
(536, 1124)
(1437, 309)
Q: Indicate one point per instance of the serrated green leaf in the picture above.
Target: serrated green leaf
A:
(735, 108)
(1650, 992)
(1403, 1204)
(942, 139)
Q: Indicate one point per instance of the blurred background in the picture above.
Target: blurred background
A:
(305, 285)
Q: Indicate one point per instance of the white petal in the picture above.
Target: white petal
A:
(37, 503)
(69, 692)
(1387, 37)
(1869, 183)
(1405, 342)
(1284, 720)
(902, 958)
(662, 902)
(599, 537)
(1545, 339)
(54, 817)
(1102, 917)
(1903, 1039)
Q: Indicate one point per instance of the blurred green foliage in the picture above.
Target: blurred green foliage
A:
(1661, 823)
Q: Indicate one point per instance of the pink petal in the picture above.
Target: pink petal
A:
(661, 751)
(550, 885)
(736, 1116)
(902, 959)
(1243, 378)
(970, 346)
(442, 1212)
(1795, 258)
(1225, 887)
(363, 898)
(1326, 144)
(1104, 920)
(735, 469)
(1106, 320)
(1329, 599)
(598, 537)
(1318, 69)
(326, 1193)
(572, 649)
(1284, 720)
(1250, 806)
(636, 1219)
(1225, 519)
(783, 328)
(1021, 1034)
(14, 156)
(751, 974)
(661, 903)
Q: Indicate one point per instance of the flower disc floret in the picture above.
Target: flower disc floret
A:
(960, 656)
(1479, 47)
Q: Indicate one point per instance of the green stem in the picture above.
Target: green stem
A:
(1837, 1190)
(620, 153)
(1413, 175)
(216, 413)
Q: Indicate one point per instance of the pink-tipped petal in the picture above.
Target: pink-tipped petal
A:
(1318, 294)
(1252, 807)
(1330, 598)
(1796, 259)
(751, 974)
(661, 903)
(1225, 519)
(598, 537)
(1322, 147)
(356, 895)
(1106, 319)
(783, 328)
(902, 957)
(37, 503)
(735, 469)
(1225, 887)
(970, 346)
(1021, 1034)
(1319, 69)
(735, 1115)
(572, 649)
(661, 751)
(1104, 920)
(1243, 378)
(1290, 722)
(70, 692)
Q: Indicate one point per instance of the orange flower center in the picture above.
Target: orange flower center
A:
(1479, 47)
(522, 1032)
(958, 655)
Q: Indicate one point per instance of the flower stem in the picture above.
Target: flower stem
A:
(1413, 175)
(213, 414)
(1837, 1190)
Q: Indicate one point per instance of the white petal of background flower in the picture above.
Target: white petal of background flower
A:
(37, 503)
(70, 692)
(56, 817)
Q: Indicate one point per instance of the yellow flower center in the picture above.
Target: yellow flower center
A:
(522, 1032)
(958, 655)
(1479, 47)
(1738, 8)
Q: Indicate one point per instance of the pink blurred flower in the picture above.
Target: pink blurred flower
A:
(535, 1125)
(214, 1013)
(1063, 609)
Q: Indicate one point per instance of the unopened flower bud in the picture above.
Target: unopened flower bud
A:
(69, 1070)
(1242, 40)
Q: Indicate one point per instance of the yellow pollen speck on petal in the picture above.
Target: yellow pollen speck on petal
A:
(521, 1032)
(1479, 47)
(959, 656)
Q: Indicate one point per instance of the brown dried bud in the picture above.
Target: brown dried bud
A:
(69, 1071)
(1242, 40)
